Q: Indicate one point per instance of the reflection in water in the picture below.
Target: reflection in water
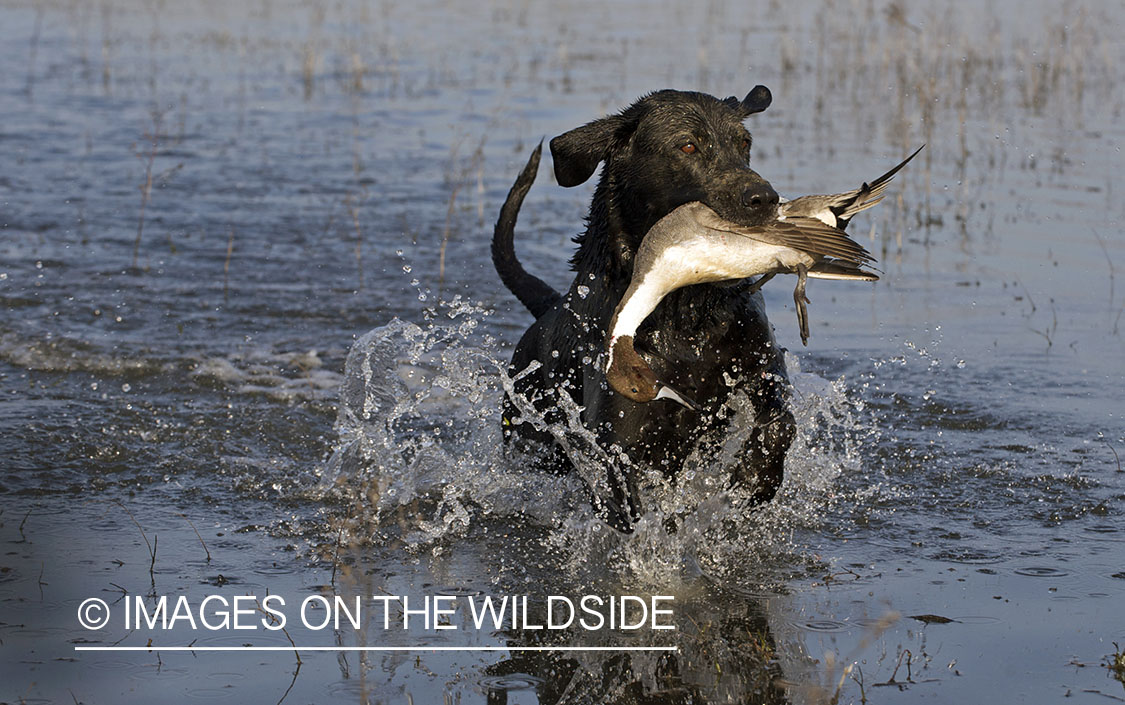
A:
(726, 656)
(726, 650)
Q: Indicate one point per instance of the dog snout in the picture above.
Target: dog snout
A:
(760, 196)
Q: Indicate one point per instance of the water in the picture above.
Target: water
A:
(284, 378)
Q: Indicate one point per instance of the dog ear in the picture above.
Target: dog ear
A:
(577, 153)
(756, 101)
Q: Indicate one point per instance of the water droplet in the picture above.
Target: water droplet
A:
(555, 354)
(1041, 572)
(125, 387)
(960, 364)
(406, 268)
(583, 292)
(824, 625)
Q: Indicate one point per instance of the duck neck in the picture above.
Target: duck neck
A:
(639, 300)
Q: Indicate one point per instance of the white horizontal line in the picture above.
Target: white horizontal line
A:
(376, 648)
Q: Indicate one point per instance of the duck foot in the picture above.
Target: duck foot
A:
(666, 392)
(800, 299)
(759, 282)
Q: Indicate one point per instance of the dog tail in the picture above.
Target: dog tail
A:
(532, 291)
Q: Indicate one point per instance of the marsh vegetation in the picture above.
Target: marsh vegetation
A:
(203, 206)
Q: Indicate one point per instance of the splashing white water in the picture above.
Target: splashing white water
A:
(420, 431)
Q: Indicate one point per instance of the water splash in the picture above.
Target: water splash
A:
(419, 431)
(702, 526)
(420, 450)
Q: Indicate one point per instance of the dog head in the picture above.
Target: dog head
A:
(667, 149)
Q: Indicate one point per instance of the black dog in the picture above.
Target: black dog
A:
(667, 149)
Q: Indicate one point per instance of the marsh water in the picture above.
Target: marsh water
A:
(252, 344)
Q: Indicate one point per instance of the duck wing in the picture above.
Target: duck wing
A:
(844, 206)
(808, 235)
(836, 269)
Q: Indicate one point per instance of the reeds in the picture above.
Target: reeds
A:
(458, 175)
(352, 203)
(151, 545)
(152, 137)
(831, 687)
(33, 52)
(226, 265)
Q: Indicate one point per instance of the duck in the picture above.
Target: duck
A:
(836, 210)
(631, 376)
(694, 245)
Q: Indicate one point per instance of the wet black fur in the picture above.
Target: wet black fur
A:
(696, 340)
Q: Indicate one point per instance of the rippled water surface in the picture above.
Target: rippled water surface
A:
(252, 344)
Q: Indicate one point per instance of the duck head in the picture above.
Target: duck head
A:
(629, 375)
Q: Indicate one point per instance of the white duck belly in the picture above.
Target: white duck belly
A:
(692, 245)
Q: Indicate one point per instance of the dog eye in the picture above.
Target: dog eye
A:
(688, 148)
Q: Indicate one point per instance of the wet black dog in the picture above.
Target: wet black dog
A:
(707, 341)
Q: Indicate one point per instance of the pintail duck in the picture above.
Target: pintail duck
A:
(836, 210)
(693, 245)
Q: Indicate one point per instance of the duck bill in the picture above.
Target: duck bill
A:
(666, 392)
